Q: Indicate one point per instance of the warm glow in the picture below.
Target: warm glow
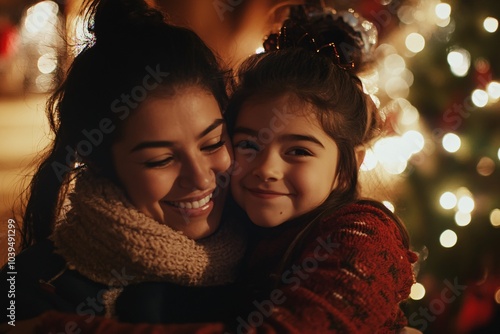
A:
(409, 115)
(448, 239)
(39, 16)
(397, 87)
(391, 155)
(260, 49)
(451, 142)
(495, 217)
(490, 24)
(394, 64)
(370, 161)
(443, 10)
(417, 291)
(448, 200)
(414, 141)
(415, 42)
(485, 166)
(459, 61)
(493, 89)
(462, 218)
(479, 98)
(465, 204)
(388, 205)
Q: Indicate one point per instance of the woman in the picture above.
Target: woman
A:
(141, 153)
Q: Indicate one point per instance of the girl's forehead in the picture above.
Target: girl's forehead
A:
(284, 106)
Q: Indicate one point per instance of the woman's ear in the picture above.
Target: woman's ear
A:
(360, 152)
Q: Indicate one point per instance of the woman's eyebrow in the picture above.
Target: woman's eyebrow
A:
(218, 122)
(165, 143)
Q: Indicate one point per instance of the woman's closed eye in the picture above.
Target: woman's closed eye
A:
(159, 163)
(214, 147)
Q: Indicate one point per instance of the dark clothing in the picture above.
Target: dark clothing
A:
(348, 276)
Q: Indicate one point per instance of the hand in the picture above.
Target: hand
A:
(22, 327)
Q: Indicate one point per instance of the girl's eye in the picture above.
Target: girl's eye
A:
(159, 163)
(246, 145)
(300, 152)
(214, 147)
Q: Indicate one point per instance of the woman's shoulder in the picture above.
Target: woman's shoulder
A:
(38, 280)
(36, 261)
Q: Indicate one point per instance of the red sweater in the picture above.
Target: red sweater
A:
(349, 277)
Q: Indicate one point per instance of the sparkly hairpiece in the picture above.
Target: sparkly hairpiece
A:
(345, 37)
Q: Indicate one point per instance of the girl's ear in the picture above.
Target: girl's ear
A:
(360, 152)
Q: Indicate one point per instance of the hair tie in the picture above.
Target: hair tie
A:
(345, 37)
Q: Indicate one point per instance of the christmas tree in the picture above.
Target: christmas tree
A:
(437, 79)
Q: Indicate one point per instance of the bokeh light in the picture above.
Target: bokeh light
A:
(462, 218)
(451, 142)
(485, 166)
(443, 10)
(415, 42)
(479, 98)
(465, 204)
(490, 24)
(389, 205)
(459, 60)
(417, 291)
(495, 217)
(448, 200)
(448, 239)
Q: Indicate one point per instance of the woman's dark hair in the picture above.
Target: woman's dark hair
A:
(335, 92)
(134, 54)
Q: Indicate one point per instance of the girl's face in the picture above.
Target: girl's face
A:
(285, 162)
(169, 156)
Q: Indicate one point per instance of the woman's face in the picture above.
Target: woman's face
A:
(173, 159)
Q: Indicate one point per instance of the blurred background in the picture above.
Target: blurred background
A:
(436, 79)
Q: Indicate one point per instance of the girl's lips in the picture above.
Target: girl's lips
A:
(266, 194)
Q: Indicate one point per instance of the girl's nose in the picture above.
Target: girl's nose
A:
(268, 167)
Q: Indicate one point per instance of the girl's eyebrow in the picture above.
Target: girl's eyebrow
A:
(285, 137)
(165, 143)
(295, 137)
(246, 131)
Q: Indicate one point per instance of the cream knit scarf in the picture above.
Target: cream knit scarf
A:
(107, 240)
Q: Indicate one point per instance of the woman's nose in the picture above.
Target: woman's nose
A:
(198, 174)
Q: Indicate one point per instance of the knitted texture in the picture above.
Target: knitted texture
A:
(349, 277)
(106, 239)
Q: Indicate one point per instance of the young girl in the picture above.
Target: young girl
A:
(141, 153)
(321, 259)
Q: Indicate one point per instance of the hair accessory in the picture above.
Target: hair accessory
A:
(345, 37)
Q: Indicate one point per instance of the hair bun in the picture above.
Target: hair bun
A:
(345, 37)
(110, 19)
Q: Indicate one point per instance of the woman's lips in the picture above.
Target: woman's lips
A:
(192, 204)
(194, 208)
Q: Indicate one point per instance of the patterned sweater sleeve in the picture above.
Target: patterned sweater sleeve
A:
(350, 278)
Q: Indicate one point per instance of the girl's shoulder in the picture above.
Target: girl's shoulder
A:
(367, 211)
